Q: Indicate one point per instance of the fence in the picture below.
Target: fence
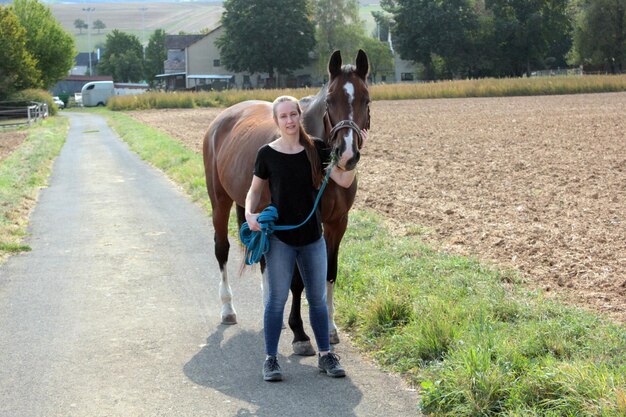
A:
(15, 113)
(555, 72)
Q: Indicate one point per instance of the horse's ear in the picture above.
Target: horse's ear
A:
(362, 64)
(334, 65)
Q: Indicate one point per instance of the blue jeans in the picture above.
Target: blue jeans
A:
(281, 260)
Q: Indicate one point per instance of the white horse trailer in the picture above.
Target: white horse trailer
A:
(96, 93)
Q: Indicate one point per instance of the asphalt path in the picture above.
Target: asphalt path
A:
(115, 311)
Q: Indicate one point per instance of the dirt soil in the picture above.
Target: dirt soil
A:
(10, 140)
(533, 183)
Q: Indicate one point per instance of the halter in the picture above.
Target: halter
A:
(351, 125)
(346, 124)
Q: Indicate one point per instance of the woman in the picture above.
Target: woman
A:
(292, 167)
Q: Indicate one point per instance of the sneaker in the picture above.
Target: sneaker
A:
(271, 370)
(330, 364)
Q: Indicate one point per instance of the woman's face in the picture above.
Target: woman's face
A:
(288, 118)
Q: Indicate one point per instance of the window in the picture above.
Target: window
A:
(406, 76)
(216, 62)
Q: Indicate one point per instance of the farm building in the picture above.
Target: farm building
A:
(193, 62)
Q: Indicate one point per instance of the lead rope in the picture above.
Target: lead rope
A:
(257, 243)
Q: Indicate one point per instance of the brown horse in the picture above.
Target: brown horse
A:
(336, 115)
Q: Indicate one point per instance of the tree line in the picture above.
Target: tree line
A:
(445, 38)
(36, 51)
(495, 38)
(80, 25)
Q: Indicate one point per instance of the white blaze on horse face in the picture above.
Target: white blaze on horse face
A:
(348, 137)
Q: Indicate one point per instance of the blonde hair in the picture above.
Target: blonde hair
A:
(304, 139)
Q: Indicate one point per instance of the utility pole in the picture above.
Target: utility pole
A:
(143, 27)
(89, 10)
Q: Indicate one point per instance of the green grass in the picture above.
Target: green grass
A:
(22, 174)
(474, 344)
(472, 338)
(445, 89)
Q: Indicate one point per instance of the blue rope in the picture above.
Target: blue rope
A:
(257, 243)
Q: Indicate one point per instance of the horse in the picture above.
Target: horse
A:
(336, 114)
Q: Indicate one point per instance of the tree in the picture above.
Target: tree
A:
(338, 28)
(80, 25)
(122, 57)
(46, 40)
(426, 29)
(254, 41)
(99, 25)
(383, 25)
(17, 66)
(527, 29)
(379, 56)
(600, 35)
(156, 54)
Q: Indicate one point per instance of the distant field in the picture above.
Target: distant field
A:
(190, 17)
(130, 18)
(365, 13)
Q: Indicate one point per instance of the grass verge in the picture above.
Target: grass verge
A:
(22, 174)
(475, 341)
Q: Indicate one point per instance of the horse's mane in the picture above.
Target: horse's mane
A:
(314, 108)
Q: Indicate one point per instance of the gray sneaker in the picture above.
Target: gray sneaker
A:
(330, 364)
(271, 370)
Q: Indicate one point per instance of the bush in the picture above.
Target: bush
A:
(40, 96)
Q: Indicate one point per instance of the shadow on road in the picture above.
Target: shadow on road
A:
(231, 363)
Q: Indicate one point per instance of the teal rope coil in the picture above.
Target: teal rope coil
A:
(257, 243)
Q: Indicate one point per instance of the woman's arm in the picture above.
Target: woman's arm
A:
(343, 178)
(252, 202)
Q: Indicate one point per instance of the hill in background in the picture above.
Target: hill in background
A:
(143, 18)
(138, 18)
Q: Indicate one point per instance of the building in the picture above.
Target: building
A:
(81, 63)
(193, 63)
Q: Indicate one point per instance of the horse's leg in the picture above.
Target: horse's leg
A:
(301, 342)
(221, 212)
(333, 233)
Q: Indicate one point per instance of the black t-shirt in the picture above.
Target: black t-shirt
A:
(292, 191)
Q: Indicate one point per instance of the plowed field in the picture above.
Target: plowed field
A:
(533, 183)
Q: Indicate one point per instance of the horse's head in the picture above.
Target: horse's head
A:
(347, 108)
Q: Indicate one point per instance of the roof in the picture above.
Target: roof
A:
(83, 58)
(210, 77)
(170, 74)
(88, 78)
(181, 41)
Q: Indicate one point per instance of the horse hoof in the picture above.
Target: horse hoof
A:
(334, 337)
(229, 319)
(303, 348)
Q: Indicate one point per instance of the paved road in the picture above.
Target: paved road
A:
(115, 311)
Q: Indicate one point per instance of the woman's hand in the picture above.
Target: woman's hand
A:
(363, 137)
(253, 224)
